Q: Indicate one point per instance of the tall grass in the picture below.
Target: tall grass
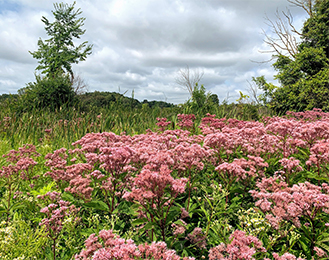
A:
(61, 127)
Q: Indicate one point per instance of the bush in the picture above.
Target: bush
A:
(47, 92)
(201, 102)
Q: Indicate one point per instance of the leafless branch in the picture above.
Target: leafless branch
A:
(79, 85)
(284, 41)
(285, 33)
(253, 93)
(189, 78)
(307, 5)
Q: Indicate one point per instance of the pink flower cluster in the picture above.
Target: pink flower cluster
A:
(27, 150)
(179, 228)
(242, 246)
(113, 162)
(112, 246)
(21, 164)
(241, 169)
(319, 154)
(285, 256)
(186, 121)
(56, 213)
(291, 165)
(290, 203)
(311, 115)
(152, 169)
(152, 185)
(198, 238)
(210, 123)
(162, 123)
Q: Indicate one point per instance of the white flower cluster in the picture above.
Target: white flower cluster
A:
(253, 222)
(6, 233)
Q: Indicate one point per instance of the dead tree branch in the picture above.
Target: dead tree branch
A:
(284, 40)
(187, 78)
(307, 5)
(79, 85)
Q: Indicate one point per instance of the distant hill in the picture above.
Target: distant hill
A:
(4, 97)
(104, 99)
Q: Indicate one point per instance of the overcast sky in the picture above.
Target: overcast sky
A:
(140, 45)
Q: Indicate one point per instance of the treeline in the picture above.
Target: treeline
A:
(105, 99)
(100, 99)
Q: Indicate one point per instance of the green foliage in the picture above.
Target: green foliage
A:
(8, 97)
(20, 240)
(242, 97)
(96, 100)
(315, 29)
(304, 78)
(52, 92)
(201, 102)
(267, 88)
(56, 56)
(306, 94)
(57, 53)
(214, 99)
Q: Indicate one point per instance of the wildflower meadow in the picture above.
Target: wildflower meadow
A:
(214, 188)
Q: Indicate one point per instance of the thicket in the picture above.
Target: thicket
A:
(303, 72)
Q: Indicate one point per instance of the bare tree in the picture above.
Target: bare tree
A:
(189, 78)
(253, 93)
(284, 41)
(307, 5)
(79, 85)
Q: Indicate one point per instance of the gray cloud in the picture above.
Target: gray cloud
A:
(139, 45)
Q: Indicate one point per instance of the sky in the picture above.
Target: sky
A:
(139, 46)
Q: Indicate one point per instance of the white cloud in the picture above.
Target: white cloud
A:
(141, 44)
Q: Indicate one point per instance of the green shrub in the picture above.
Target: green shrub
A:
(47, 92)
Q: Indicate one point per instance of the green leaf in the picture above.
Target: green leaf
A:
(324, 246)
(149, 225)
(323, 238)
(68, 197)
(315, 176)
(17, 206)
(139, 221)
(305, 246)
(172, 215)
(97, 204)
(307, 233)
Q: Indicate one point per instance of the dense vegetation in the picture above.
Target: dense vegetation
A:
(214, 188)
(303, 73)
(102, 176)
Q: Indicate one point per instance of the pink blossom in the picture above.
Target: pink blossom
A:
(162, 123)
(184, 213)
(242, 246)
(55, 214)
(186, 121)
(179, 228)
(286, 256)
(21, 165)
(320, 252)
(284, 203)
(149, 184)
(111, 246)
(197, 238)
